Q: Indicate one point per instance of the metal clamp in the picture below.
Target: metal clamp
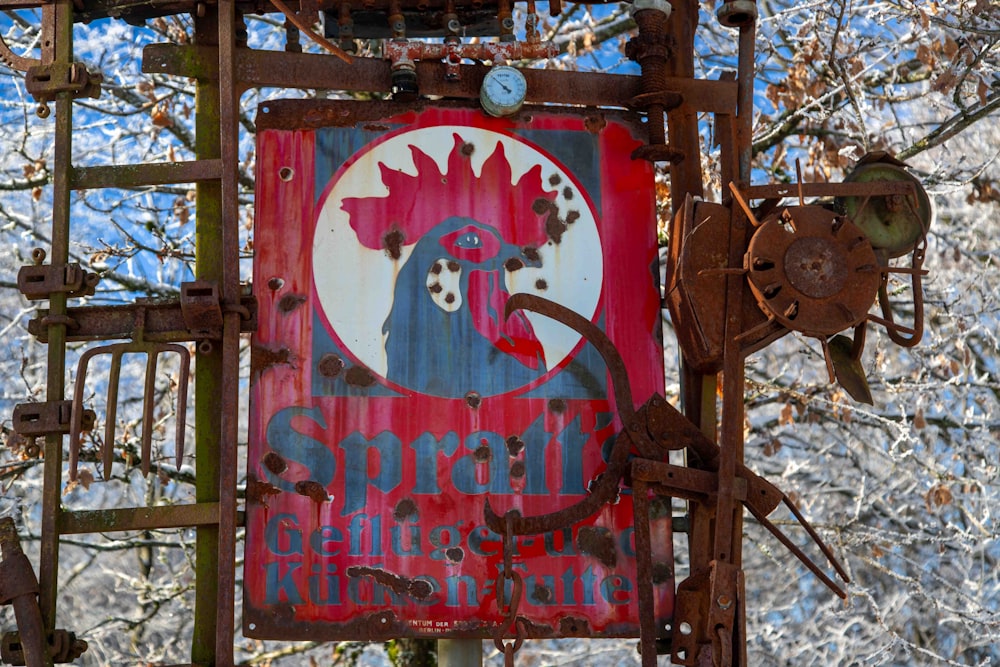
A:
(41, 281)
(44, 82)
(34, 420)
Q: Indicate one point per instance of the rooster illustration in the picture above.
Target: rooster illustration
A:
(445, 334)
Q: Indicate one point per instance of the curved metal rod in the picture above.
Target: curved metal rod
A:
(605, 488)
(896, 331)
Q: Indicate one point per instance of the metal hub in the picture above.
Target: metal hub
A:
(812, 270)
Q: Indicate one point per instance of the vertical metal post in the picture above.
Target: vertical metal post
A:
(230, 293)
(60, 13)
(208, 369)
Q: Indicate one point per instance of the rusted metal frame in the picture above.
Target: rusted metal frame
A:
(138, 518)
(229, 285)
(164, 322)
(141, 175)
(208, 369)
(255, 68)
(58, 18)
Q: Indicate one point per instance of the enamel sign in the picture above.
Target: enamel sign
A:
(390, 397)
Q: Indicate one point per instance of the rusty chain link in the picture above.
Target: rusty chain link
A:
(508, 608)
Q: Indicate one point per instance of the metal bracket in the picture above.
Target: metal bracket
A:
(63, 647)
(201, 307)
(44, 82)
(33, 420)
(40, 281)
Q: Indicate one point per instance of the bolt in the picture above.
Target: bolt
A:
(724, 601)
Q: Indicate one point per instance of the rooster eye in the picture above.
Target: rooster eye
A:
(469, 240)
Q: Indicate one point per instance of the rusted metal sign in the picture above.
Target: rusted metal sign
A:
(390, 396)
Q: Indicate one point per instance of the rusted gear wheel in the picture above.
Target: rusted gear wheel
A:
(814, 271)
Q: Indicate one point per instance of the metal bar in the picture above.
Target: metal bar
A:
(230, 290)
(164, 322)
(780, 190)
(140, 175)
(58, 19)
(644, 573)
(309, 70)
(208, 369)
(138, 518)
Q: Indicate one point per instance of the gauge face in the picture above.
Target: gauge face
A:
(503, 91)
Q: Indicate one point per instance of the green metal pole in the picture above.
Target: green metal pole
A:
(208, 368)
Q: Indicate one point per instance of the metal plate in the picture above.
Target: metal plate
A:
(389, 398)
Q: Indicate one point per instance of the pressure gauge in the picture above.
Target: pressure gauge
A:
(503, 91)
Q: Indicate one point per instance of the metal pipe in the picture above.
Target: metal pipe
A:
(58, 17)
(229, 289)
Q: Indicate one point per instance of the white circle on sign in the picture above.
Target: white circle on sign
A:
(420, 217)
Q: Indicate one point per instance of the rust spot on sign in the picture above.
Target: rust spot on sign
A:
(312, 490)
(514, 445)
(276, 283)
(542, 206)
(567, 195)
(330, 365)
(541, 285)
(541, 594)
(455, 554)
(554, 227)
(574, 627)
(393, 242)
(598, 542)
(557, 405)
(258, 491)
(572, 216)
(273, 462)
(517, 469)
(595, 123)
(482, 453)
(468, 148)
(415, 588)
(359, 376)
(513, 264)
(263, 358)
(555, 179)
(531, 253)
(406, 509)
(290, 302)
(473, 400)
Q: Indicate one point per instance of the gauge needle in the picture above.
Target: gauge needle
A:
(504, 87)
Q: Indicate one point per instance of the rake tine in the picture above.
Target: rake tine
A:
(76, 414)
(152, 357)
(181, 420)
(108, 451)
